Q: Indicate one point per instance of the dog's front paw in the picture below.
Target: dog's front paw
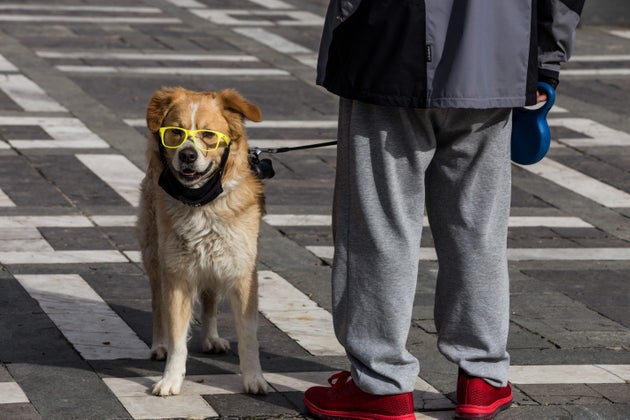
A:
(215, 345)
(158, 352)
(168, 385)
(255, 384)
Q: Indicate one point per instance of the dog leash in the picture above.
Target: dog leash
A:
(263, 167)
(288, 149)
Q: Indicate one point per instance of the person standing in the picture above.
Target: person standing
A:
(426, 93)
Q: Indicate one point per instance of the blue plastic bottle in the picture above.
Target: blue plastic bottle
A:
(530, 132)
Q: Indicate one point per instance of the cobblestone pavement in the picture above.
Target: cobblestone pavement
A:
(75, 78)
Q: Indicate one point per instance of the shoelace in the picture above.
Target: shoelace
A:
(338, 380)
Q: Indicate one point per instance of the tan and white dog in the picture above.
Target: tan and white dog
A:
(198, 227)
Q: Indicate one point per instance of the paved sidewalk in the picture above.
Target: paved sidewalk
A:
(75, 322)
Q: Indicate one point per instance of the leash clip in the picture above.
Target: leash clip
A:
(263, 168)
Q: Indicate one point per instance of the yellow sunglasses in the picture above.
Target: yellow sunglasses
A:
(205, 140)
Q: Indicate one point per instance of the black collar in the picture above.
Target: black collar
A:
(194, 197)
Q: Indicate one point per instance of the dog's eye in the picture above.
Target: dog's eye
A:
(176, 133)
(210, 139)
(208, 135)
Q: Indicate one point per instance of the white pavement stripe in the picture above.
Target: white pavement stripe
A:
(135, 122)
(118, 172)
(307, 59)
(273, 41)
(145, 56)
(62, 257)
(621, 33)
(133, 256)
(515, 221)
(597, 134)
(90, 142)
(132, 392)
(27, 94)
(570, 374)
(6, 65)
(298, 316)
(595, 72)
(59, 8)
(25, 223)
(5, 201)
(568, 254)
(520, 254)
(194, 4)
(298, 219)
(65, 133)
(87, 19)
(235, 18)
(272, 4)
(579, 183)
(83, 317)
(11, 393)
(44, 221)
(183, 406)
(114, 221)
(556, 109)
(548, 221)
(27, 239)
(174, 71)
(589, 58)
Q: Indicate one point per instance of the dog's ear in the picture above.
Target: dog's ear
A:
(159, 106)
(233, 101)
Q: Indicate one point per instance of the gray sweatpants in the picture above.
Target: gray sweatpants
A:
(391, 163)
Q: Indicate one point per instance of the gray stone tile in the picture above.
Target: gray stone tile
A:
(67, 391)
(68, 239)
(77, 182)
(241, 405)
(616, 393)
(19, 412)
(565, 394)
(20, 180)
(591, 287)
(124, 238)
(5, 376)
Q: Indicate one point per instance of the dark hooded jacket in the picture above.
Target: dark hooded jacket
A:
(445, 53)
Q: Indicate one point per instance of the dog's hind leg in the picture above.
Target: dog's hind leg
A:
(178, 305)
(244, 303)
(210, 340)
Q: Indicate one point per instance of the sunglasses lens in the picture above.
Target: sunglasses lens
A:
(209, 140)
(174, 137)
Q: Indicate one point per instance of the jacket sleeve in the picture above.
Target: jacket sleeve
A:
(557, 22)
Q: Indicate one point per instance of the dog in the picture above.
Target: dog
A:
(198, 226)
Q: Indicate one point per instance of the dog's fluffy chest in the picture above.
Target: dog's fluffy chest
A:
(213, 246)
(203, 231)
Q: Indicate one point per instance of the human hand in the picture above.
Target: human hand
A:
(540, 97)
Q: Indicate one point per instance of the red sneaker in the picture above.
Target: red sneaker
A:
(477, 399)
(344, 400)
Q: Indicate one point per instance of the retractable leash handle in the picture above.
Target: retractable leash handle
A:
(530, 132)
(263, 168)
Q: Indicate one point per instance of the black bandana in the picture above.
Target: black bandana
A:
(194, 197)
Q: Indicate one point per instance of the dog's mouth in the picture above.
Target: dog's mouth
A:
(189, 176)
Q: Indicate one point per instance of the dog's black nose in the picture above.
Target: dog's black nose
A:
(188, 155)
